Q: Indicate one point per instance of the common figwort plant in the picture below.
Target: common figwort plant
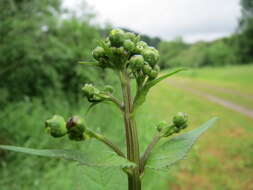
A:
(131, 59)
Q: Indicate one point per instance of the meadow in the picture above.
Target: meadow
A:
(222, 159)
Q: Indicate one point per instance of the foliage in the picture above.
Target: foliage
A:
(130, 58)
(36, 46)
(199, 54)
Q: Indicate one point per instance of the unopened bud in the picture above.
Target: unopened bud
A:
(98, 52)
(153, 74)
(162, 125)
(129, 45)
(147, 69)
(76, 127)
(140, 47)
(56, 126)
(117, 37)
(89, 90)
(180, 120)
(130, 36)
(137, 61)
(151, 56)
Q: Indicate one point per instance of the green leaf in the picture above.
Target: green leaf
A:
(89, 63)
(176, 148)
(90, 158)
(141, 95)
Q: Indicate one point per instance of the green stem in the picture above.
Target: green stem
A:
(147, 152)
(109, 144)
(133, 153)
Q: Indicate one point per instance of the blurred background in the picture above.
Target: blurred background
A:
(41, 42)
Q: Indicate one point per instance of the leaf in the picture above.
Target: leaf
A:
(90, 158)
(141, 95)
(176, 148)
(89, 63)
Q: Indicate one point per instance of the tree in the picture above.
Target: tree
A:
(37, 45)
(244, 44)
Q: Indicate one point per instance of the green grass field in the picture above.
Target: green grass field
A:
(222, 159)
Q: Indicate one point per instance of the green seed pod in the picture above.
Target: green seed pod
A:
(136, 61)
(56, 126)
(109, 89)
(98, 52)
(146, 69)
(76, 127)
(161, 126)
(153, 74)
(150, 56)
(129, 45)
(117, 37)
(180, 120)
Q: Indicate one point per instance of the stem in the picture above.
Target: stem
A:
(133, 153)
(147, 152)
(116, 102)
(109, 144)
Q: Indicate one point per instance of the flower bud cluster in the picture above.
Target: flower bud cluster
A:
(179, 122)
(95, 95)
(124, 49)
(75, 127)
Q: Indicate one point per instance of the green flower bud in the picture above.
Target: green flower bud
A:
(140, 47)
(56, 126)
(161, 126)
(130, 36)
(89, 90)
(129, 45)
(153, 74)
(76, 127)
(98, 52)
(142, 44)
(92, 93)
(119, 51)
(146, 69)
(136, 61)
(117, 37)
(151, 56)
(109, 89)
(180, 120)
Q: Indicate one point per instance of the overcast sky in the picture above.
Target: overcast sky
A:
(192, 19)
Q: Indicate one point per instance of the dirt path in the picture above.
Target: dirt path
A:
(225, 103)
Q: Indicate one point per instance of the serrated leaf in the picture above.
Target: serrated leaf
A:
(90, 158)
(141, 96)
(176, 148)
(89, 63)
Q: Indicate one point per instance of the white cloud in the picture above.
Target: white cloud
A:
(191, 19)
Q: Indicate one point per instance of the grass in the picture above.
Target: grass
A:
(222, 158)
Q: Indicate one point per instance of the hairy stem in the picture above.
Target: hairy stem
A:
(133, 154)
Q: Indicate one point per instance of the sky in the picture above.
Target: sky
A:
(193, 20)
